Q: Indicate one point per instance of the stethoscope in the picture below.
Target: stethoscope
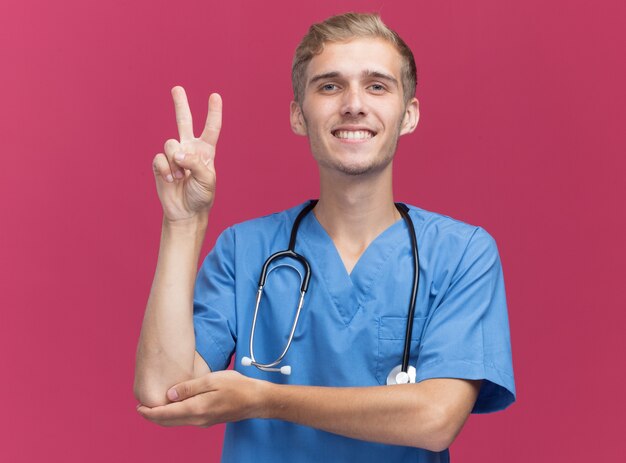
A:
(401, 374)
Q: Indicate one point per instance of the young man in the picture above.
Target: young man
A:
(354, 82)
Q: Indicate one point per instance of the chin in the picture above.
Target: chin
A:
(356, 169)
(353, 163)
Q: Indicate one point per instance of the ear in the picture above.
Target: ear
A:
(411, 117)
(298, 124)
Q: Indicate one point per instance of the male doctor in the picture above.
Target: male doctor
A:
(354, 85)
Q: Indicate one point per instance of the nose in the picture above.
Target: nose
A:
(353, 103)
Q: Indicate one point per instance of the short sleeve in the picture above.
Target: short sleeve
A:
(467, 334)
(214, 304)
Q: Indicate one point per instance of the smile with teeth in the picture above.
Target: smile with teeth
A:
(353, 134)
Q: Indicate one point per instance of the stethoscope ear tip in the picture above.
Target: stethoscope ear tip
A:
(247, 361)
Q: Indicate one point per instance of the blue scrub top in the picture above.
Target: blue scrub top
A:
(351, 328)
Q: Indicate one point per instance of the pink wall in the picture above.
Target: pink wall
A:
(521, 132)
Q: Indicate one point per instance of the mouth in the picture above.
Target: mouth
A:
(362, 134)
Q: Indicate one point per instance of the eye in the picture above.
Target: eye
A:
(328, 87)
(378, 88)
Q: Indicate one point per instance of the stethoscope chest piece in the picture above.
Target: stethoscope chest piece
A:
(397, 376)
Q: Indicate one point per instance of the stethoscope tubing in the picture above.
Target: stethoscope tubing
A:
(291, 253)
(403, 209)
(304, 286)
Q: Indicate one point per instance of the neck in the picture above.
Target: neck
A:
(354, 210)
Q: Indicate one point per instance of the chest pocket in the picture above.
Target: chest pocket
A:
(391, 331)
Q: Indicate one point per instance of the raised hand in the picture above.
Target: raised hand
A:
(185, 173)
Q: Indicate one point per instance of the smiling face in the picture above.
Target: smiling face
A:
(353, 110)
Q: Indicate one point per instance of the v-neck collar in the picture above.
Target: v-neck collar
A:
(348, 292)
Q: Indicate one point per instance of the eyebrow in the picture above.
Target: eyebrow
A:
(326, 75)
(381, 75)
(366, 73)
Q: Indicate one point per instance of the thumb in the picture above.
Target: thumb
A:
(190, 388)
(194, 162)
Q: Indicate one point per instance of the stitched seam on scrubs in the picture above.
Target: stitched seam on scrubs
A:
(420, 225)
(235, 285)
(445, 294)
(375, 276)
(220, 350)
(502, 372)
(325, 284)
(454, 280)
(403, 320)
(469, 362)
(210, 336)
(378, 361)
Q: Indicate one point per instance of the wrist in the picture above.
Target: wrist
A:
(196, 222)
(265, 394)
(183, 233)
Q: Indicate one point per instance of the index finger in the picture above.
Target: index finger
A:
(189, 388)
(213, 125)
(183, 114)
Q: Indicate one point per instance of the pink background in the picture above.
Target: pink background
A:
(521, 132)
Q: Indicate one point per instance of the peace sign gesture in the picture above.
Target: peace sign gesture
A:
(185, 173)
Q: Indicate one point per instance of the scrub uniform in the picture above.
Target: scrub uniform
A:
(351, 328)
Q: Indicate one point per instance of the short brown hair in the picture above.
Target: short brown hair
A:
(342, 28)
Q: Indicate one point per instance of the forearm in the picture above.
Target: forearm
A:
(414, 415)
(165, 353)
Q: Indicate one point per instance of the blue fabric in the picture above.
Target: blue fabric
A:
(351, 328)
